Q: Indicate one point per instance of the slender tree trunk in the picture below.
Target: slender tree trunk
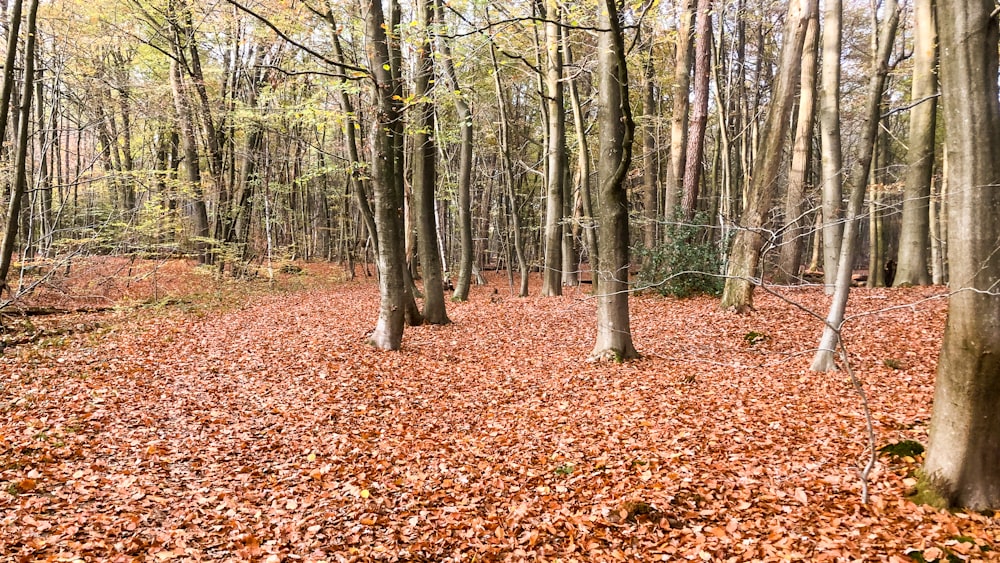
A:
(21, 152)
(964, 450)
(745, 255)
(824, 359)
(464, 171)
(699, 113)
(650, 187)
(914, 243)
(614, 335)
(199, 211)
(582, 155)
(792, 238)
(7, 89)
(425, 172)
(507, 168)
(555, 149)
(830, 151)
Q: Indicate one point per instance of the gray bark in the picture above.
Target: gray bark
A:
(555, 149)
(963, 455)
(824, 359)
(614, 336)
(914, 239)
(830, 148)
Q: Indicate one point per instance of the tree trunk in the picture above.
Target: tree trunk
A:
(914, 243)
(650, 187)
(831, 156)
(964, 450)
(824, 359)
(793, 236)
(388, 333)
(679, 118)
(21, 152)
(583, 157)
(745, 255)
(507, 169)
(555, 150)
(614, 336)
(464, 172)
(699, 113)
(425, 172)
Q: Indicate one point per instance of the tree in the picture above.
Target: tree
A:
(464, 169)
(699, 112)
(790, 257)
(678, 122)
(614, 335)
(831, 157)
(824, 359)
(393, 289)
(749, 240)
(554, 153)
(425, 171)
(20, 183)
(963, 457)
(914, 241)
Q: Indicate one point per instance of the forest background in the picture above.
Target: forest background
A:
(698, 147)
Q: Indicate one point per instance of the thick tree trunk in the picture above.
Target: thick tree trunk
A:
(745, 255)
(824, 359)
(555, 153)
(393, 297)
(425, 173)
(614, 336)
(914, 243)
(963, 456)
(831, 156)
(792, 238)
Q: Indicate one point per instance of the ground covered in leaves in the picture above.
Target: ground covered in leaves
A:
(258, 425)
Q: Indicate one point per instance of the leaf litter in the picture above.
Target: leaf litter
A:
(270, 431)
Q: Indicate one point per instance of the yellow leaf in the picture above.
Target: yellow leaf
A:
(365, 493)
(311, 457)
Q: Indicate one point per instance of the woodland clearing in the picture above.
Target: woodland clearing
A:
(206, 420)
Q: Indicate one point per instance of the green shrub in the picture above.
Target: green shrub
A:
(687, 264)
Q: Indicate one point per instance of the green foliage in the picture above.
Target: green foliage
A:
(687, 264)
(565, 469)
(753, 338)
(903, 448)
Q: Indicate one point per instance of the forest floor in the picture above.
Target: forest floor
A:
(204, 420)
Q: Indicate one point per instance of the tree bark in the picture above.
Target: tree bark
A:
(425, 172)
(792, 238)
(699, 113)
(914, 243)
(679, 118)
(21, 152)
(650, 164)
(555, 149)
(614, 336)
(464, 171)
(831, 156)
(388, 333)
(749, 240)
(964, 449)
(824, 359)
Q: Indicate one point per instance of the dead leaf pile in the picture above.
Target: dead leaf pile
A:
(272, 432)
